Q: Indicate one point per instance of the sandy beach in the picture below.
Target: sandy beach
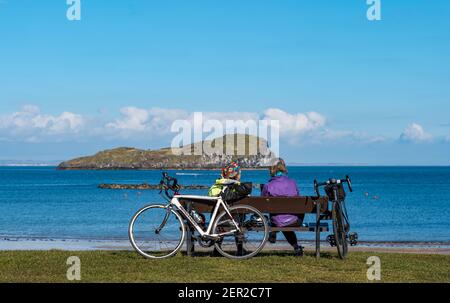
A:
(42, 244)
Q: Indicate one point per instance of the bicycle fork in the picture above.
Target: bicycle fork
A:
(164, 222)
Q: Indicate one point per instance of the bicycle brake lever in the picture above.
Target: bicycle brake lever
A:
(316, 188)
(349, 183)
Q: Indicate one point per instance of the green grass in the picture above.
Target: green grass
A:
(108, 266)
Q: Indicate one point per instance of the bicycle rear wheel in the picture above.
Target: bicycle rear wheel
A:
(157, 232)
(340, 232)
(249, 241)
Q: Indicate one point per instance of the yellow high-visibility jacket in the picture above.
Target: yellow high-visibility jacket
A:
(219, 186)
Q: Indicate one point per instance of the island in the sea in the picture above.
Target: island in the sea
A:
(251, 152)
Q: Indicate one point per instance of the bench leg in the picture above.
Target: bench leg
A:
(189, 233)
(189, 243)
(318, 229)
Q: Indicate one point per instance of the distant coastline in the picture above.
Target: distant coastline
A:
(256, 168)
(28, 163)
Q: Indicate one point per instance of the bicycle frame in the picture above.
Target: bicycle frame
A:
(175, 202)
(341, 203)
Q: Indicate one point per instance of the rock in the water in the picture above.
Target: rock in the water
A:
(146, 186)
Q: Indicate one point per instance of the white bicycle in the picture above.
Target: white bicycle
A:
(158, 231)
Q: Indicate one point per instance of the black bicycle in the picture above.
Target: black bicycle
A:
(341, 226)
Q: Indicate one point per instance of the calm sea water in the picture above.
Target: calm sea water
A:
(403, 203)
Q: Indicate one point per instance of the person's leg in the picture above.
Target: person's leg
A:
(299, 250)
(240, 250)
(240, 246)
(301, 217)
(291, 237)
(215, 252)
(273, 234)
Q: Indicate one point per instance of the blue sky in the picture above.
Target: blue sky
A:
(382, 87)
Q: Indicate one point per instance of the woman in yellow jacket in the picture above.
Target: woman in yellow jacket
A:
(229, 185)
(230, 189)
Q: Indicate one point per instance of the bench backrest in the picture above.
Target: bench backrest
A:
(273, 205)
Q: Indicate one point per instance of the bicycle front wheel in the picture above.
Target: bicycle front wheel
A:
(340, 232)
(157, 232)
(252, 237)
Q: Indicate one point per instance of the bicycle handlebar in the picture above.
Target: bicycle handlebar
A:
(169, 183)
(333, 182)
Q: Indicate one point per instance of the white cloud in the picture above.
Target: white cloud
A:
(224, 116)
(159, 120)
(138, 122)
(415, 133)
(295, 124)
(162, 118)
(133, 119)
(30, 124)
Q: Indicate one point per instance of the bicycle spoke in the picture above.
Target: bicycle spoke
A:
(246, 243)
(143, 234)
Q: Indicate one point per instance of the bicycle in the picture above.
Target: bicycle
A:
(341, 226)
(158, 231)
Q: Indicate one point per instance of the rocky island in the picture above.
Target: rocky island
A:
(190, 156)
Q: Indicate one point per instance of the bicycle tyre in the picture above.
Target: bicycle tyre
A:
(260, 246)
(170, 252)
(339, 230)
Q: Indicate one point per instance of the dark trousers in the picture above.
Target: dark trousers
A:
(290, 236)
(239, 244)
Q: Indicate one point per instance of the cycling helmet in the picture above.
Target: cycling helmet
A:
(231, 170)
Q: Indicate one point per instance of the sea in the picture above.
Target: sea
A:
(388, 204)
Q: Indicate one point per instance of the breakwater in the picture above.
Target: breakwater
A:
(146, 186)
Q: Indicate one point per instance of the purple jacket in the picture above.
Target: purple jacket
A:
(281, 186)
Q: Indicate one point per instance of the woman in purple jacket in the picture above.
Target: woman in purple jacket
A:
(282, 186)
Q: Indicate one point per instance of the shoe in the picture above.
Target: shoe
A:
(216, 253)
(242, 252)
(273, 237)
(298, 251)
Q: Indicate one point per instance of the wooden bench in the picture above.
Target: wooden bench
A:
(273, 205)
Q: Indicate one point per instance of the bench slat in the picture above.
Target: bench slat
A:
(291, 228)
(273, 205)
(322, 228)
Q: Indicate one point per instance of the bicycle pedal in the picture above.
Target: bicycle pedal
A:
(331, 239)
(326, 216)
(206, 243)
(353, 239)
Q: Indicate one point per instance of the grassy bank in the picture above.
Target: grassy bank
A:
(100, 266)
